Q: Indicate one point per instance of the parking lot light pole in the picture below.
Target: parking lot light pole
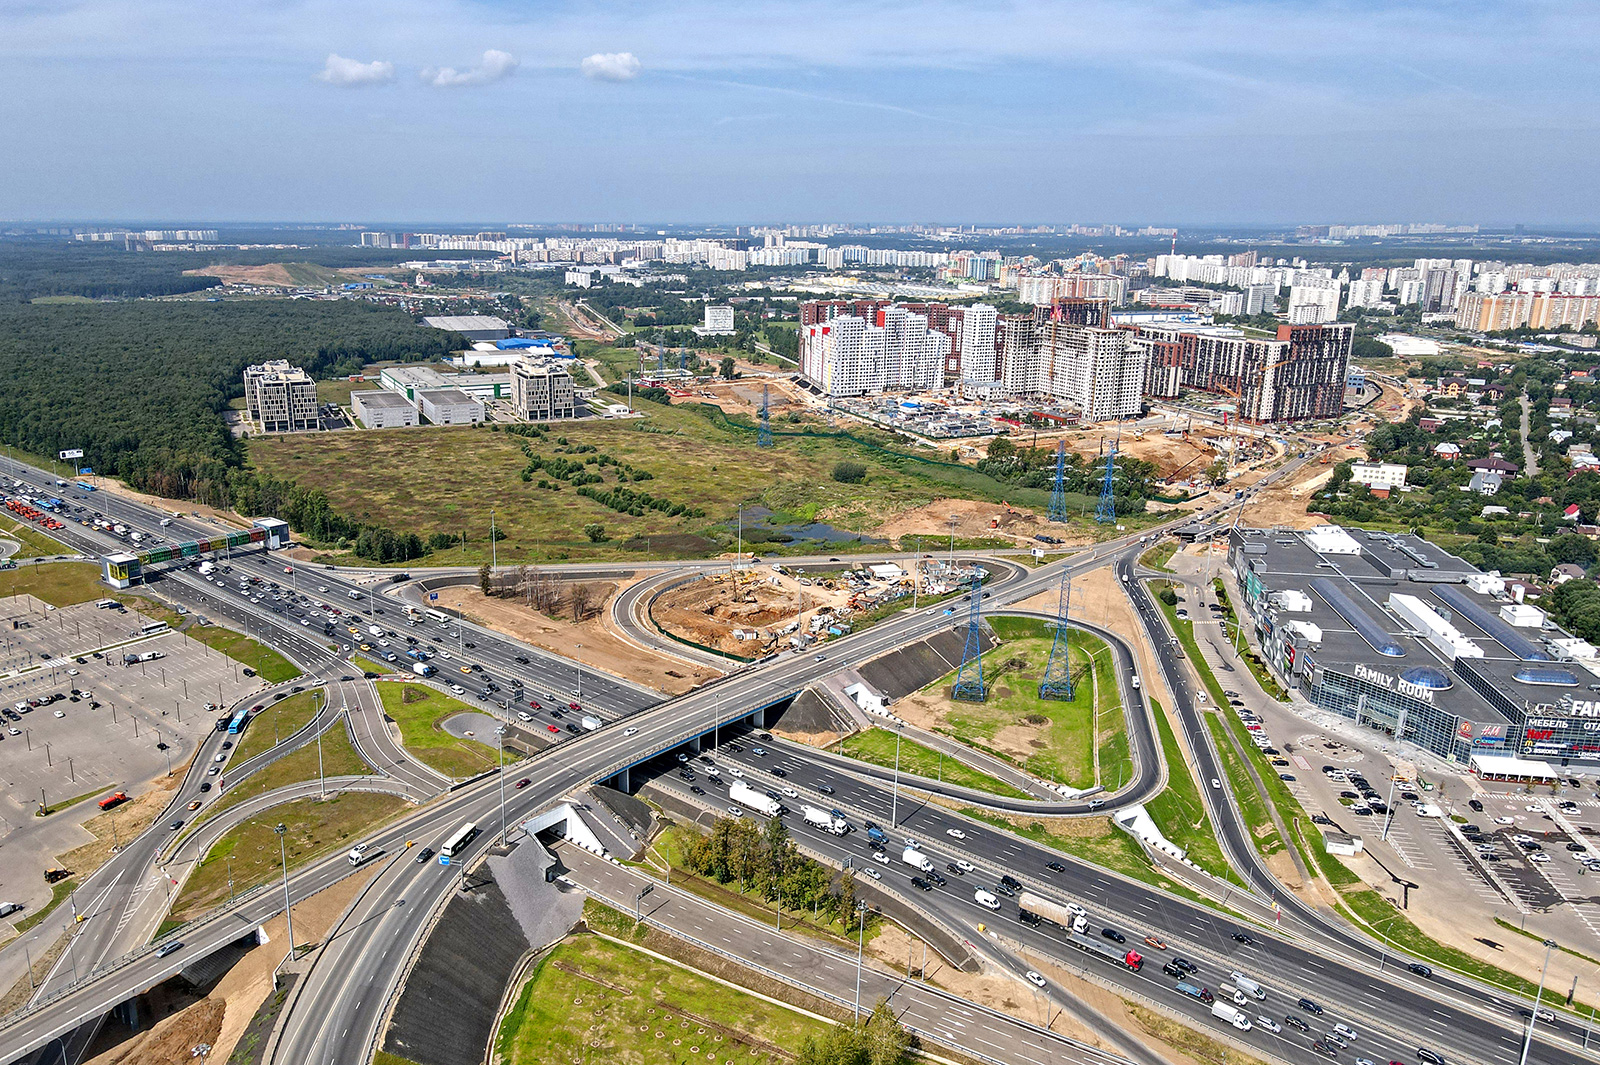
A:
(1533, 1018)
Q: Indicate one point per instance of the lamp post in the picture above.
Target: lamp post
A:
(500, 743)
(283, 857)
(861, 942)
(637, 908)
(579, 661)
(1533, 1018)
(894, 806)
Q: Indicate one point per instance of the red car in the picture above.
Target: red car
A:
(256, 709)
(524, 782)
(574, 706)
(552, 728)
(534, 703)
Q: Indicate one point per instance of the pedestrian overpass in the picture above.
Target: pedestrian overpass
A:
(124, 570)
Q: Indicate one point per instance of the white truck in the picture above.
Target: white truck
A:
(375, 631)
(1136, 682)
(590, 722)
(744, 795)
(825, 820)
(422, 669)
(912, 856)
(1232, 1015)
(207, 568)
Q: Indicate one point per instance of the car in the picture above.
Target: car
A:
(424, 854)
(1186, 965)
(789, 792)
(822, 658)
(880, 857)
(1286, 777)
(682, 757)
(61, 713)
(1216, 784)
(1505, 821)
(72, 673)
(175, 825)
(697, 789)
(524, 782)
(1410, 796)
(921, 884)
(1477, 807)
(1113, 935)
(1544, 1015)
(1243, 937)
(872, 873)
(1296, 1022)
(1034, 978)
(826, 789)
(629, 731)
(1576, 848)
(553, 728)
(1345, 1032)
(464, 669)
(954, 868)
(1268, 1023)
(1324, 1049)
(964, 866)
(195, 805)
(734, 811)
(169, 949)
(934, 877)
(1429, 1056)
(1420, 969)
(779, 772)
(1055, 866)
(205, 785)
(760, 752)
(955, 833)
(1155, 942)
(1310, 1007)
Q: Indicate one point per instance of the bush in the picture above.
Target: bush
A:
(595, 532)
(849, 472)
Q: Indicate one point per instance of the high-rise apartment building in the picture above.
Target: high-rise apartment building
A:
(1311, 304)
(980, 348)
(1300, 373)
(1099, 370)
(280, 398)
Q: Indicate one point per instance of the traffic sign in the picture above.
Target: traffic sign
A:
(433, 597)
(444, 859)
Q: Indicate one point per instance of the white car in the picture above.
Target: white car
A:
(629, 731)
(1268, 1023)
(1215, 783)
(1539, 856)
(734, 770)
(790, 792)
(458, 689)
(872, 873)
(61, 713)
(444, 655)
(955, 833)
(1345, 1032)
(734, 811)
(1505, 821)
(964, 866)
(72, 673)
(1034, 978)
(682, 757)
(880, 857)
(221, 757)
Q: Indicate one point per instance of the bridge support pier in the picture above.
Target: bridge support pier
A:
(624, 781)
(759, 718)
(128, 1013)
(694, 744)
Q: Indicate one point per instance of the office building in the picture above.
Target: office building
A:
(541, 390)
(1378, 474)
(280, 398)
(718, 322)
(449, 406)
(379, 408)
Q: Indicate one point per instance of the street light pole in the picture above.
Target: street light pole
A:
(894, 807)
(861, 942)
(283, 857)
(500, 742)
(1533, 1018)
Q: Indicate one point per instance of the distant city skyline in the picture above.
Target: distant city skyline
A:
(1243, 113)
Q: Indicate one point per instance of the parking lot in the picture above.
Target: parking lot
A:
(99, 725)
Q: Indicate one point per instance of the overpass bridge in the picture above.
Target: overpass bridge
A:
(123, 570)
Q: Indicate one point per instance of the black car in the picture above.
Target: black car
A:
(1011, 882)
(921, 884)
(779, 772)
(1324, 1049)
(1002, 889)
(175, 826)
(697, 789)
(1186, 965)
(1576, 848)
(1310, 1007)
(869, 825)
(1243, 937)
(1296, 1022)
(1113, 935)
(1027, 917)
(1173, 971)
(826, 789)
(934, 877)
(1424, 1054)
(523, 659)
(954, 868)
(1055, 866)
(1420, 969)
(1477, 807)
(424, 854)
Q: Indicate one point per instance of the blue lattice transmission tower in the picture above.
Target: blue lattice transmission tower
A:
(764, 434)
(1057, 682)
(969, 686)
(1058, 491)
(1105, 512)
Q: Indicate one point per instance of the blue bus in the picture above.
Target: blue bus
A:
(86, 486)
(237, 722)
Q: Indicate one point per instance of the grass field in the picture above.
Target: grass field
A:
(269, 665)
(58, 894)
(314, 828)
(338, 391)
(638, 1009)
(878, 747)
(1252, 806)
(1158, 556)
(35, 544)
(339, 758)
(418, 710)
(279, 720)
(432, 480)
(1070, 729)
(1179, 811)
(57, 583)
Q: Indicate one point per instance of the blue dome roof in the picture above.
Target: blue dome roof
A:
(1537, 674)
(1428, 677)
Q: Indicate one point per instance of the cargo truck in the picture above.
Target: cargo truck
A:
(590, 722)
(1196, 992)
(1078, 936)
(423, 669)
(744, 795)
(207, 568)
(826, 820)
(116, 798)
(1224, 1012)
(913, 857)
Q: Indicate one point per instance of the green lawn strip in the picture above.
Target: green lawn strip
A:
(1183, 628)
(877, 746)
(34, 544)
(1367, 907)
(1095, 840)
(315, 828)
(269, 665)
(419, 721)
(1116, 761)
(1257, 667)
(1179, 812)
(339, 758)
(1158, 556)
(1013, 670)
(279, 720)
(58, 894)
(60, 583)
(1509, 927)
(1252, 806)
(57, 807)
(368, 665)
(637, 1007)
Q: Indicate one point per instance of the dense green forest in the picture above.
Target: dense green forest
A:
(28, 271)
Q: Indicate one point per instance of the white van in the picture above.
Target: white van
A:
(1247, 985)
(986, 899)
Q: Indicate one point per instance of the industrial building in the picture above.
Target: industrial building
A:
(381, 409)
(280, 398)
(471, 326)
(542, 390)
(449, 406)
(1400, 636)
(408, 381)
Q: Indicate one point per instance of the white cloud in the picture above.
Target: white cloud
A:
(353, 72)
(494, 66)
(611, 66)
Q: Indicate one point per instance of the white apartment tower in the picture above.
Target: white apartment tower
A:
(1101, 371)
(979, 356)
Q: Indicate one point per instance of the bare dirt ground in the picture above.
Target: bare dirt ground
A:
(221, 1017)
(1284, 503)
(269, 274)
(227, 517)
(972, 522)
(744, 396)
(603, 648)
(709, 610)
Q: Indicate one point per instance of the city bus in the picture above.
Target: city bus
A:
(237, 722)
(438, 615)
(458, 840)
(153, 627)
(86, 486)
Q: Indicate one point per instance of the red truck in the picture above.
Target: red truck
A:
(116, 798)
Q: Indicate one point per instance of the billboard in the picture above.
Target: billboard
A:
(70, 453)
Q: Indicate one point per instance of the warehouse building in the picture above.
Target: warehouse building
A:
(408, 381)
(449, 406)
(1400, 636)
(471, 326)
(542, 390)
(381, 409)
(280, 398)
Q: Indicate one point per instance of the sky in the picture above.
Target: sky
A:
(461, 111)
